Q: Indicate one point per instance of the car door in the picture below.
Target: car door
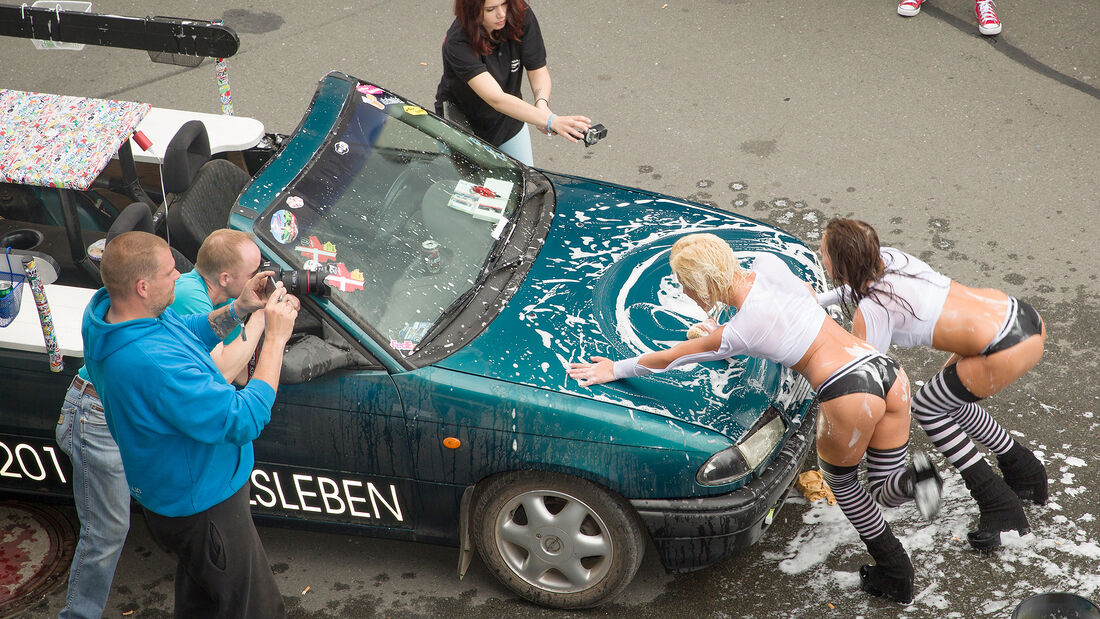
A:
(337, 450)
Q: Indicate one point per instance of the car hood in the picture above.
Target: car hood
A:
(602, 286)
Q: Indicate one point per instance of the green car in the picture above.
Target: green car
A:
(427, 397)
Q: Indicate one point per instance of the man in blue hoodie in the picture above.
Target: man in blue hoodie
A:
(184, 433)
(226, 261)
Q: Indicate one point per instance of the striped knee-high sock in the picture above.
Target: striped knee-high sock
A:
(933, 405)
(885, 471)
(983, 428)
(853, 499)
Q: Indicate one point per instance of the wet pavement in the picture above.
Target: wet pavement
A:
(976, 154)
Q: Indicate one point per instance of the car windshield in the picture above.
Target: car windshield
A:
(398, 210)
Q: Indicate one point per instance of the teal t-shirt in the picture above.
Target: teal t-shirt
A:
(193, 298)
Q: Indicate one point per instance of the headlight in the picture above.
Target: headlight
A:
(730, 465)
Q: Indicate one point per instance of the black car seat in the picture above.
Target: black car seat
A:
(202, 190)
(137, 217)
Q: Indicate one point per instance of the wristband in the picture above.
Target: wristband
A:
(548, 121)
(233, 313)
(542, 99)
(234, 316)
(630, 368)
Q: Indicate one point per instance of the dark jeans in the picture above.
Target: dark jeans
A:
(222, 569)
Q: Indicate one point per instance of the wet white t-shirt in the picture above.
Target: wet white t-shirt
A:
(779, 320)
(890, 321)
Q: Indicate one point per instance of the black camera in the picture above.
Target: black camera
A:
(297, 283)
(594, 134)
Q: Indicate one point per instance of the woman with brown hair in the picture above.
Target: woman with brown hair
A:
(994, 339)
(485, 51)
(863, 394)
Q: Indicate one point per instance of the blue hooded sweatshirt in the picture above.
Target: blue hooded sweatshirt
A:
(184, 433)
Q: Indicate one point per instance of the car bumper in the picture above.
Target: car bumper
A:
(693, 533)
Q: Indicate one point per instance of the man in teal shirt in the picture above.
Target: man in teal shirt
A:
(225, 262)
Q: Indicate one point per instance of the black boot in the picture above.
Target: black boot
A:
(999, 507)
(892, 574)
(1024, 474)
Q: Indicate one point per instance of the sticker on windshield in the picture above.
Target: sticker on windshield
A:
(295, 202)
(316, 251)
(367, 89)
(371, 99)
(414, 110)
(340, 279)
(409, 336)
(284, 226)
(390, 100)
(341, 148)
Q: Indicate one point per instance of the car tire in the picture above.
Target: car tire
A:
(582, 549)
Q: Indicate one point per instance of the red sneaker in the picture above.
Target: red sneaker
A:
(909, 8)
(988, 24)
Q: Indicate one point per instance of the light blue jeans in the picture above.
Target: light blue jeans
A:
(102, 502)
(519, 146)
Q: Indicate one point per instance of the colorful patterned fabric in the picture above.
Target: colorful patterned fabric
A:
(60, 141)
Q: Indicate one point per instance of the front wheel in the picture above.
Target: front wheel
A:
(557, 540)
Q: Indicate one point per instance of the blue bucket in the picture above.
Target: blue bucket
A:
(13, 296)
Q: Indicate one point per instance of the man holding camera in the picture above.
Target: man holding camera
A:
(225, 262)
(185, 435)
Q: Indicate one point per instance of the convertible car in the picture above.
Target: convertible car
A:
(425, 396)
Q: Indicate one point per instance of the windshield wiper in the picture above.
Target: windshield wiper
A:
(531, 192)
(455, 308)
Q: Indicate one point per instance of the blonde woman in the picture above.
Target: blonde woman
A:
(863, 394)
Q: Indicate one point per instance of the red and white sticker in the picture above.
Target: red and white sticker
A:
(315, 250)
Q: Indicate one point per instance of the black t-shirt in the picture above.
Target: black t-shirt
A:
(461, 64)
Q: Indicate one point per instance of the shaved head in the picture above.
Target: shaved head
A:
(128, 258)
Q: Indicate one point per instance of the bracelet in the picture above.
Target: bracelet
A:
(233, 313)
(548, 121)
(542, 99)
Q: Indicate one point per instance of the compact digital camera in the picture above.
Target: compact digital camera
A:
(594, 134)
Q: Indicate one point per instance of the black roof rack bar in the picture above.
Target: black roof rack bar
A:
(172, 35)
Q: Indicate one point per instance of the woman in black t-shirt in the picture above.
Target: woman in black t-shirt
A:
(486, 47)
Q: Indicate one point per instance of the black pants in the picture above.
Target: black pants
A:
(222, 569)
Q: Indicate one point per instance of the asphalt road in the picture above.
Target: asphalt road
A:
(977, 154)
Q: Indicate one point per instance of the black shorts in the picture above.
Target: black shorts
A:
(874, 375)
(1023, 322)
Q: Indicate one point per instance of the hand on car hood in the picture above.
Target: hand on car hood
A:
(602, 285)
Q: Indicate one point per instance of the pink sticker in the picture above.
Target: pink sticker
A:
(405, 345)
(368, 89)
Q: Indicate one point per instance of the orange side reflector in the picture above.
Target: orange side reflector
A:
(452, 443)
